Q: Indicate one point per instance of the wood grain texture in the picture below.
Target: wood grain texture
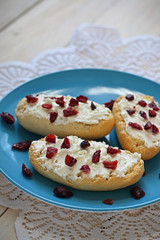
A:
(11, 10)
(7, 230)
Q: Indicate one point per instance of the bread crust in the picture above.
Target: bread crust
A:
(127, 141)
(43, 126)
(98, 183)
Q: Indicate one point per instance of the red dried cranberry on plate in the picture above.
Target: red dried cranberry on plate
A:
(26, 171)
(21, 145)
(7, 117)
(62, 192)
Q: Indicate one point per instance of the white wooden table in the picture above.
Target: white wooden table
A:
(28, 28)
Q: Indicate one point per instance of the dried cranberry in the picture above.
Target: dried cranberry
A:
(26, 171)
(143, 114)
(62, 192)
(112, 150)
(155, 130)
(96, 156)
(70, 161)
(110, 165)
(152, 113)
(53, 116)
(7, 117)
(66, 143)
(60, 101)
(21, 145)
(142, 103)
(131, 111)
(69, 112)
(129, 97)
(148, 125)
(31, 99)
(47, 105)
(82, 99)
(109, 104)
(52, 98)
(135, 125)
(137, 192)
(93, 106)
(73, 102)
(85, 169)
(108, 201)
(154, 106)
(51, 152)
(84, 144)
(50, 138)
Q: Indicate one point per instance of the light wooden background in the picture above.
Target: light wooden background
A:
(29, 27)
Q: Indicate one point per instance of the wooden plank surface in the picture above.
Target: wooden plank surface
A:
(10, 10)
(28, 28)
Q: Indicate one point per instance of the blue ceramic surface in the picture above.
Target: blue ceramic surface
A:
(98, 85)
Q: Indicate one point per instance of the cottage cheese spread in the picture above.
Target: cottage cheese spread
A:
(150, 139)
(85, 114)
(84, 157)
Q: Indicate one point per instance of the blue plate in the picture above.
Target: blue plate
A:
(98, 85)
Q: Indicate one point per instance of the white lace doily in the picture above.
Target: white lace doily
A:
(98, 47)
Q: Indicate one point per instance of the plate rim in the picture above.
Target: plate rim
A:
(56, 203)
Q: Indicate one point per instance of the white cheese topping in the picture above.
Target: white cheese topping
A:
(84, 157)
(85, 114)
(150, 139)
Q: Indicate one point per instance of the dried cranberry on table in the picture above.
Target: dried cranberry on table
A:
(108, 201)
(21, 145)
(7, 117)
(109, 104)
(62, 192)
(31, 99)
(26, 171)
(137, 192)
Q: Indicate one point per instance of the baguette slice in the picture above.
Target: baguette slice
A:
(85, 166)
(145, 141)
(46, 115)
